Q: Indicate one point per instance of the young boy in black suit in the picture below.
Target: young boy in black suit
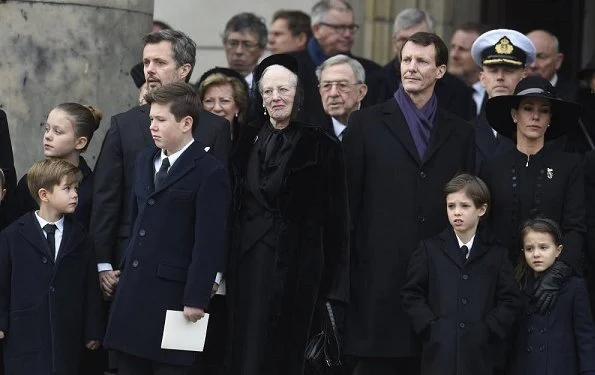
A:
(50, 302)
(460, 291)
(181, 196)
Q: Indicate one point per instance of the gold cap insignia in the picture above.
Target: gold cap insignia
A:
(504, 47)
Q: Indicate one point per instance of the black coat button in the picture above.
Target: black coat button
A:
(135, 263)
(529, 349)
(462, 325)
(421, 219)
(464, 301)
(422, 174)
(151, 202)
(541, 348)
(44, 260)
(465, 277)
(142, 232)
(52, 289)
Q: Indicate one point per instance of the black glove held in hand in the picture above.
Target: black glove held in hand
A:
(548, 286)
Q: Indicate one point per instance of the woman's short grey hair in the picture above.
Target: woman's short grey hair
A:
(294, 77)
(356, 67)
(411, 17)
(321, 8)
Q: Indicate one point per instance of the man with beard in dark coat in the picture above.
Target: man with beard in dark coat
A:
(398, 156)
(453, 94)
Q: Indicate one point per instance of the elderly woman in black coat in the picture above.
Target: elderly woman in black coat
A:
(537, 176)
(290, 231)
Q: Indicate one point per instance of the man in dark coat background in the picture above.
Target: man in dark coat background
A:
(398, 156)
(453, 94)
(111, 217)
(333, 29)
(6, 164)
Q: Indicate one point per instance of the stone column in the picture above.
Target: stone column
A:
(56, 51)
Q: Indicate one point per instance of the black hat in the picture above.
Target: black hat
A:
(282, 59)
(564, 114)
(588, 69)
(138, 74)
(226, 72)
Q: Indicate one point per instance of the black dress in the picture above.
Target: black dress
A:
(550, 181)
(289, 244)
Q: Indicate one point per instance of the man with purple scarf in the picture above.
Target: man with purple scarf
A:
(398, 157)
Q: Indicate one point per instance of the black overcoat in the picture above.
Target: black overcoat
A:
(48, 310)
(395, 200)
(462, 311)
(111, 216)
(558, 193)
(175, 250)
(308, 257)
(7, 166)
(560, 342)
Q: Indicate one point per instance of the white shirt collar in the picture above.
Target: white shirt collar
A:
(554, 80)
(478, 94)
(249, 79)
(173, 157)
(42, 222)
(468, 244)
(338, 127)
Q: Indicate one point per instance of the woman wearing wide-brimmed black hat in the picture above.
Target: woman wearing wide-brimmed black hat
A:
(290, 231)
(537, 176)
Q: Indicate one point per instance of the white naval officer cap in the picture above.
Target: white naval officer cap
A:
(503, 47)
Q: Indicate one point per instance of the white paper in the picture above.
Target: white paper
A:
(181, 334)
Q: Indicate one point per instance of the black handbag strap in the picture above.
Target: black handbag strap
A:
(335, 337)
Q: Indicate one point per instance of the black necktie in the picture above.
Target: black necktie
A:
(50, 229)
(464, 252)
(162, 173)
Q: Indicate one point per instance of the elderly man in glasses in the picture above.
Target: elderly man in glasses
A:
(342, 88)
(244, 40)
(333, 33)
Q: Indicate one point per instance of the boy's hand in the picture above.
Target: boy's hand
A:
(108, 281)
(93, 344)
(193, 314)
(1, 335)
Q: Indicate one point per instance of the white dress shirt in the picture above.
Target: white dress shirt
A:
(339, 128)
(57, 235)
(468, 244)
(249, 79)
(478, 94)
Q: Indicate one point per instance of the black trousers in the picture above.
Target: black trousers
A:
(384, 366)
(132, 365)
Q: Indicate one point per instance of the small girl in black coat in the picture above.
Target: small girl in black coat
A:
(562, 340)
(67, 133)
(460, 291)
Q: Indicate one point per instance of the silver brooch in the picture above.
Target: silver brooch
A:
(550, 173)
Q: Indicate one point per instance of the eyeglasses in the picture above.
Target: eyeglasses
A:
(341, 86)
(235, 43)
(284, 91)
(210, 103)
(342, 28)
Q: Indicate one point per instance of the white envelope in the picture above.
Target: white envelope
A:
(181, 334)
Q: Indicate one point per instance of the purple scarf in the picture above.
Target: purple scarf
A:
(420, 121)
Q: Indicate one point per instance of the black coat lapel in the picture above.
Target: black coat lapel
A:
(450, 246)
(70, 239)
(32, 233)
(442, 130)
(394, 119)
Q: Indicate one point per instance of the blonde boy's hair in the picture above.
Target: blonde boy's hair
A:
(48, 173)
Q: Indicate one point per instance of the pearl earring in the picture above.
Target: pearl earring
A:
(265, 109)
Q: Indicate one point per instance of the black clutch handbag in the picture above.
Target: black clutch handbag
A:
(323, 351)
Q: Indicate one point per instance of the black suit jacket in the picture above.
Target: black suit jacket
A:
(111, 215)
(175, 250)
(442, 292)
(395, 200)
(453, 94)
(7, 166)
(48, 308)
(312, 111)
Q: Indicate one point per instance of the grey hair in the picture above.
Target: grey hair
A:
(411, 17)
(555, 41)
(294, 76)
(356, 67)
(321, 8)
(183, 48)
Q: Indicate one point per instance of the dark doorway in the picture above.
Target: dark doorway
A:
(563, 18)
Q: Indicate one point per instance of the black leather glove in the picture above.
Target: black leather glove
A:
(547, 287)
